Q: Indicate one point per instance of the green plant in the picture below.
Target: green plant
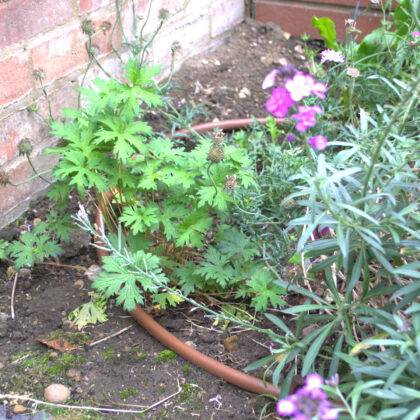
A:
(358, 249)
(32, 247)
(165, 356)
(92, 312)
(165, 197)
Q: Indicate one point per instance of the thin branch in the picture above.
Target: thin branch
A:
(12, 300)
(85, 407)
(110, 336)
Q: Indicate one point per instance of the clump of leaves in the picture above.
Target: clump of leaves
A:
(166, 197)
(92, 312)
(32, 247)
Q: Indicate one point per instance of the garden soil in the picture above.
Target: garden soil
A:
(132, 371)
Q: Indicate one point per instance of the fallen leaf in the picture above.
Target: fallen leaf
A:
(231, 343)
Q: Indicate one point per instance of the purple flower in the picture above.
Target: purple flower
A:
(309, 402)
(331, 55)
(290, 137)
(306, 117)
(415, 34)
(333, 381)
(318, 142)
(279, 103)
(270, 79)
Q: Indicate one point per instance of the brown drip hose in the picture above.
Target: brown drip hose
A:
(233, 376)
(227, 125)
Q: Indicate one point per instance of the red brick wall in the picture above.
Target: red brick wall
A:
(294, 16)
(46, 35)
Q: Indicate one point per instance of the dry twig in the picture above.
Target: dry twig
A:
(110, 336)
(12, 300)
(85, 407)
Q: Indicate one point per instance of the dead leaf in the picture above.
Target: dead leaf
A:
(231, 343)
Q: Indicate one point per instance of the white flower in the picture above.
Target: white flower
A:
(331, 55)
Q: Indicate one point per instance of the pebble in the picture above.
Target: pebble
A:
(244, 92)
(93, 271)
(56, 393)
(190, 344)
(74, 374)
(299, 49)
(19, 409)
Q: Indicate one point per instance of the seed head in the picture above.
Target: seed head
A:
(88, 27)
(39, 74)
(25, 147)
(163, 14)
(231, 182)
(4, 178)
(216, 153)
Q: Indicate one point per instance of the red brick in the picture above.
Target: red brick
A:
(351, 3)
(22, 19)
(102, 38)
(297, 18)
(14, 78)
(14, 200)
(86, 6)
(59, 55)
(16, 127)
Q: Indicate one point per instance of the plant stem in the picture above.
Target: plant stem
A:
(36, 172)
(408, 95)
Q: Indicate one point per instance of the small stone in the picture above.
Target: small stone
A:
(19, 409)
(74, 374)
(217, 62)
(299, 49)
(93, 271)
(286, 35)
(281, 61)
(25, 273)
(231, 343)
(56, 393)
(79, 284)
(53, 355)
(190, 344)
(244, 92)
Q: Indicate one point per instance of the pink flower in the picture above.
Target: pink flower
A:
(306, 117)
(353, 72)
(319, 89)
(303, 85)
(287, 406)
(331, 55)
(415, 34)
(318, 142)
(279, 102)
(270, 79)
(300, 86)
(290, 137)
(313, 381)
